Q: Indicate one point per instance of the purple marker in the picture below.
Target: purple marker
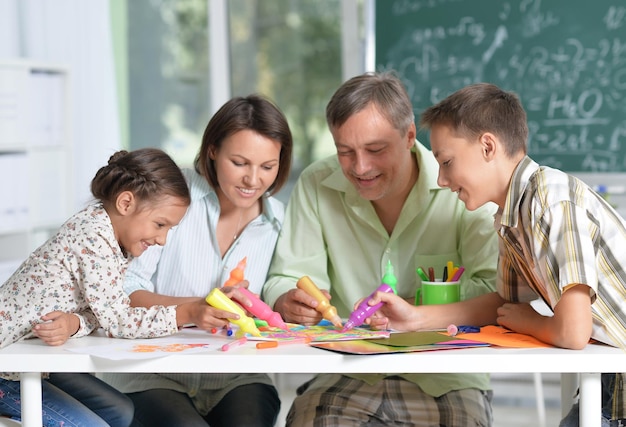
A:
(364, 310)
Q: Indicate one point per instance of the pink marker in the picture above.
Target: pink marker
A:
(234, 344)
(364, 310)
(262, 310)
(457, 275)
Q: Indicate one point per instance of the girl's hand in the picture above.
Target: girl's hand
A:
(57, 327)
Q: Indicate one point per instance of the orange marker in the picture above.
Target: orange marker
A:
(273, 344)
(236, 274)
(329, 312)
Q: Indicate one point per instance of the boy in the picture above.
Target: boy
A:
(559, 240)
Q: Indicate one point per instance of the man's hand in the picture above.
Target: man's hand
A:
(296, 306)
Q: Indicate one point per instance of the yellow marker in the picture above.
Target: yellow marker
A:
(236, 274)
(218, 299)
(450, 270)
(329, 312)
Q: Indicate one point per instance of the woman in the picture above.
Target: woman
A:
(245, 157)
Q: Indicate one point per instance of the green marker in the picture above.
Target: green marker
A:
(422, 274)
(389, 278)
(260, 323)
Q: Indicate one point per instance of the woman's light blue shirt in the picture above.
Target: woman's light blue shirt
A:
(190, 263)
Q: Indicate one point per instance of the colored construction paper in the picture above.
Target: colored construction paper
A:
(318, 333)
(365, 347)
(407, 339)
(497, 335)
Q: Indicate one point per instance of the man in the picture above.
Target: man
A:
(376, 201)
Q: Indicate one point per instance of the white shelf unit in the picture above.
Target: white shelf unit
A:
(36, 167)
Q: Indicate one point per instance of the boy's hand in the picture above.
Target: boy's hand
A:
(516, 316)
(569, 327)
(395, 313)
(57, 327)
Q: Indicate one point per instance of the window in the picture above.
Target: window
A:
(288, 50)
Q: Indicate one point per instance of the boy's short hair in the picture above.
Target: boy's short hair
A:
(480, 108)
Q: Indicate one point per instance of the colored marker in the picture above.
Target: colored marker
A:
(452, 330)
(226, 330)
(329, 312)
(420, 272)
(431, 274)
(262, 310)
(236, 274)
(218, 299)
(445, 274)
(233, 344)
(457, 275)
(274, 344)
(450, 270)
(364, 310)
(468, 329)
(260, 323)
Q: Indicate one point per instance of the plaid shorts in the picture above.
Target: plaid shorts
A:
(337, 400)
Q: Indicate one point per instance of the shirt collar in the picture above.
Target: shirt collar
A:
(199, 188)
(519, 182)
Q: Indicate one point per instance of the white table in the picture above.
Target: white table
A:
(32, 357)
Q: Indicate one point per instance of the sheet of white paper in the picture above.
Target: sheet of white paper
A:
(188, 341)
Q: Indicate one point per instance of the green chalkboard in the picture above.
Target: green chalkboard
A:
(566, 59)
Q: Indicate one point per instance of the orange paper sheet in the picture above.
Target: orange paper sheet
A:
(497, 335)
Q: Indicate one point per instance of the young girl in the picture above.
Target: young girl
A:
(72, 284)
(244, 158)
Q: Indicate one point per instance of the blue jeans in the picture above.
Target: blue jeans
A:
(251, 405)
(70, 400)
(608, 383)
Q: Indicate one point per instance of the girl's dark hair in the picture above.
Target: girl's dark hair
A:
(254, 113)
(149, 173)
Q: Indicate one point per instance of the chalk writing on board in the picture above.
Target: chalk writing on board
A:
(566, 61)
